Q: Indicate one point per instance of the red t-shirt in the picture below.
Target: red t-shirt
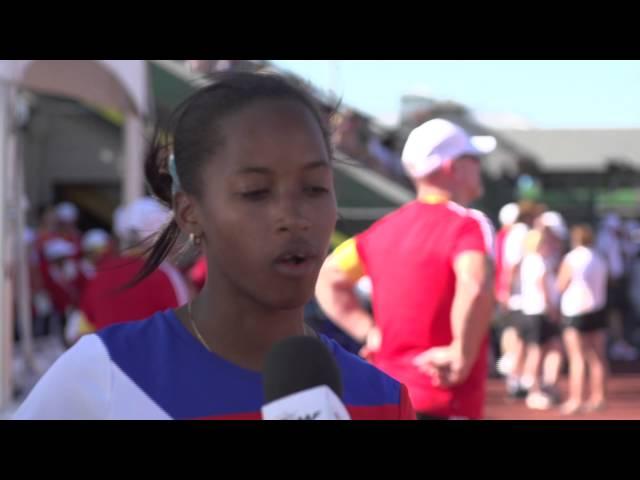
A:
(409, 256)
(103, 306)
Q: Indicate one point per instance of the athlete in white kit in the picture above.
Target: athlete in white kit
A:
(583, 282)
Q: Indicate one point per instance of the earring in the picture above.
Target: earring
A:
(195, 239)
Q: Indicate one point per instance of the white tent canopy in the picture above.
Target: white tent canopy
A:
(121, 84)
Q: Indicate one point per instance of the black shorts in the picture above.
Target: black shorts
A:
(587, 323)
(504, 319)
(536, 329)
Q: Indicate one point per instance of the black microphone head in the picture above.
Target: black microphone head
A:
(299, 363)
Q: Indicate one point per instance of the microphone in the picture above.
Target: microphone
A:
(302, 381)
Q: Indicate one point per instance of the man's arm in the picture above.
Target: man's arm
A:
(471, 314)
(336, 296)
(473, 302)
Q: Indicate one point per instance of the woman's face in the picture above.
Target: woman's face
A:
(267, 207)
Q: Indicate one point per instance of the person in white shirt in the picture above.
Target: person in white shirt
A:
(511, 363)
(538, 324)
(508, 216)
(557, 235)
(582, 280)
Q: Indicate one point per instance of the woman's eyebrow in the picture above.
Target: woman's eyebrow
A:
(268, 171)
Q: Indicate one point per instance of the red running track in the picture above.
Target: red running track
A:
(623, 401)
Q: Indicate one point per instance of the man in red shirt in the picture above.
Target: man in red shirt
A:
(432, 275)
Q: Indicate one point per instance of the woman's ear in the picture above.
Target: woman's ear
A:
(185, 213)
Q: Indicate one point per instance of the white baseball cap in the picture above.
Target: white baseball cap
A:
(67, 212)
(95, 239)
(57, 248)
(435, 142)
(509, 214)
(554, 222)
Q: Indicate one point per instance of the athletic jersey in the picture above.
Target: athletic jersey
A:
(587, 289)
(409, 256)
(534, 272)
(155, 369)
(513, 252)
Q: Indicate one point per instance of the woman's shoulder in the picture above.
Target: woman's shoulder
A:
(76, 386)
(155, 324)
(581, 254)
(139, 341)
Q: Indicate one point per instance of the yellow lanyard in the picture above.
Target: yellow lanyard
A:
(434, 199)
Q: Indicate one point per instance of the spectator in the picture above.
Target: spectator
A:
(611, 246)
(430, 268)
(583, 283)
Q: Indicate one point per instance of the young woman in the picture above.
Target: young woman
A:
(539, 313)
(583, 282)
(248, 174)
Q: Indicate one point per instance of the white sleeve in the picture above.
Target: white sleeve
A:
(76, 387)
(514, 245)
(570, 259)
(488, 231)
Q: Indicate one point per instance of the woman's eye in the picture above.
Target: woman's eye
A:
(317, 190)
(255, 194)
